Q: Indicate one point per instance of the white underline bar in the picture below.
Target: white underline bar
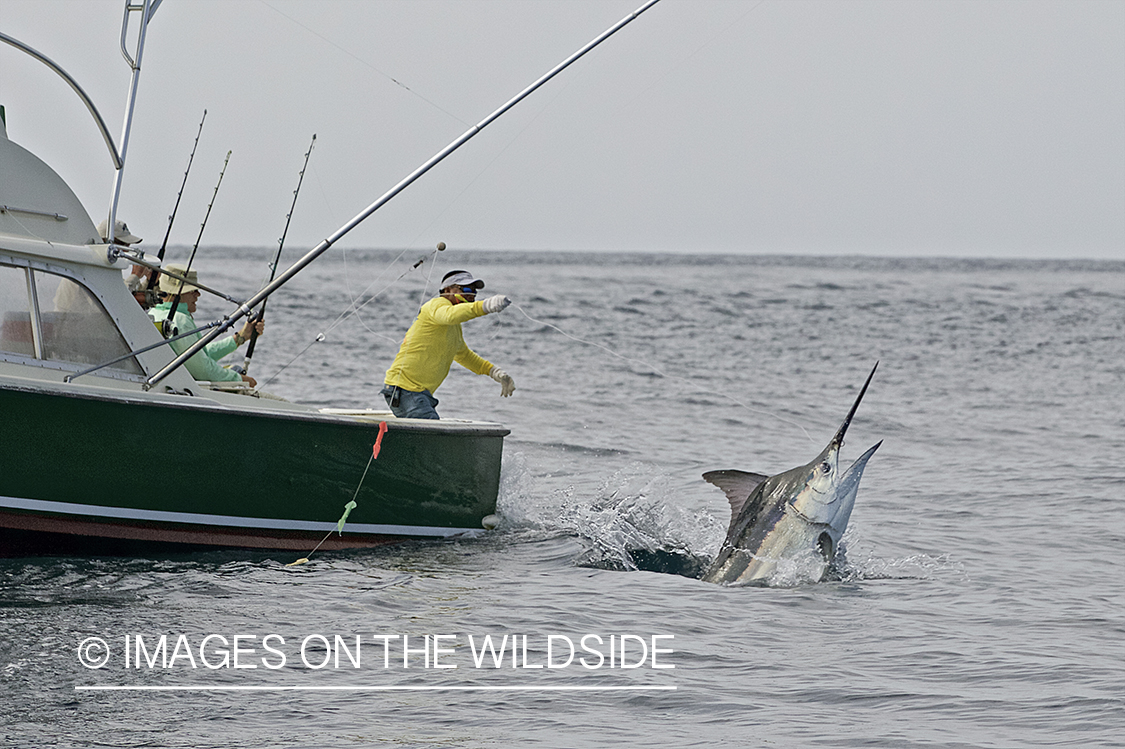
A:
(363, 688)
(100, 512)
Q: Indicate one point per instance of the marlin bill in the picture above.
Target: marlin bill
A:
(804, 509)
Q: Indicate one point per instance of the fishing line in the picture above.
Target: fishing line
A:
(695, 386)
(12, 215)
(347, 275)
(352, 504)
(426, 285)
(324, 195)
(429, 276)
(360, 60)
(355, 309)
(511, 141)
(349, 311)
(683, 60)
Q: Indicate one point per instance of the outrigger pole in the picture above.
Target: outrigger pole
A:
(277, 259)
(248, 306)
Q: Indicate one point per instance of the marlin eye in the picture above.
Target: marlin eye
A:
(826, 467)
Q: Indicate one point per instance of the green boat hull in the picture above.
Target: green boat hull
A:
(80, 466)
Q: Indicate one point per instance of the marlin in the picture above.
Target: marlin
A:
(776, 517)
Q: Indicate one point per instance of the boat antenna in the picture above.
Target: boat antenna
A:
(166, 325)
(277, 258)
(172, 219)
(248, 307)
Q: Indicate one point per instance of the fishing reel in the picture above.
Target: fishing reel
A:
(167, 329)
(147, 298)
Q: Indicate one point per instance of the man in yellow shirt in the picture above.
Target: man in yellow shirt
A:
(434, 342)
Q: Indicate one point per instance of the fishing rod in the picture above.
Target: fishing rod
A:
(320, 249)
(150, 288)
(353, 308)
(166, 325)
(138, 258)
(277, 258)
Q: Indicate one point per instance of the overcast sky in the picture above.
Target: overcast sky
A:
(984, 129)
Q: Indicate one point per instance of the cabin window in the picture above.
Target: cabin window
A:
(58, 321)
(76, 328)
(15, 312)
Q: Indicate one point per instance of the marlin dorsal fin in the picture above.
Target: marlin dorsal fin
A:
(737, 485)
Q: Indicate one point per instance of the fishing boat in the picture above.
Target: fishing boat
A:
(108, 444)
(119, 459)
(82, 461)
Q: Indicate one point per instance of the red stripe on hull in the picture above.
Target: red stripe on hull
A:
(62, 528)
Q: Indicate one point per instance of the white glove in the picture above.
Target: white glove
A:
(495, 304)
(507, 384)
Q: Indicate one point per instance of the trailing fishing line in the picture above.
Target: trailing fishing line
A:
(352, 504)
(361, 61)
(679, 64)
(352, 309)
(450, 204)
(344, 253)
(429, 277)
(27, 230)
(326, 244)
(662, 373)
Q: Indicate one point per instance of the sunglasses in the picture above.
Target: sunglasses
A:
(467, 289)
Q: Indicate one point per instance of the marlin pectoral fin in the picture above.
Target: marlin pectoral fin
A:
(737, 485)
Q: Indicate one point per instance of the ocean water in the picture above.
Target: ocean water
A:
(981, 604)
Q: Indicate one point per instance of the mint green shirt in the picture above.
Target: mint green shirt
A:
(205, 364)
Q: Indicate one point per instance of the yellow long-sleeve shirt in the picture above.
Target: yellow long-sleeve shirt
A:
(433, 343)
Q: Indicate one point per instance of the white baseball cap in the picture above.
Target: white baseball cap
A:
(121, 233)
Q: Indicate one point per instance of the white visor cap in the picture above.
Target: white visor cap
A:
(461, 278)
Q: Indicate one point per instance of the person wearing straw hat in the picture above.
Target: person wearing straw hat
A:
(205, 364)
(434, 342)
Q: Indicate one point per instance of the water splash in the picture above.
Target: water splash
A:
(635, 520)
(631, 521)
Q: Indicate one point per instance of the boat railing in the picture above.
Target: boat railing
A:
(117, 153)
(113, 153)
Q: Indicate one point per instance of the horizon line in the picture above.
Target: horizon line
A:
(364, 688)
